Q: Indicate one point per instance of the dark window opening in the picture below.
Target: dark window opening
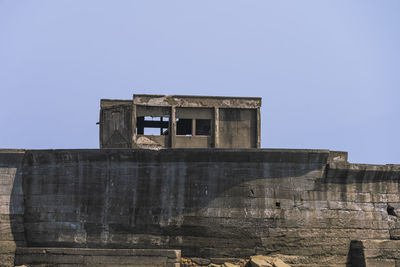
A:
(184, 127)
(203, 127)
(152, 125)
(390, 211)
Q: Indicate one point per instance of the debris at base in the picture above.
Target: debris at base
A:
(266, 261)
(228, 264)
(201, 261)
(254, 261)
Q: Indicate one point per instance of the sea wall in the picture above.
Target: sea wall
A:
(210, 203)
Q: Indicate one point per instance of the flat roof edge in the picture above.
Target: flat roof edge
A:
(115, 100)
(105, 103)
(199, 96)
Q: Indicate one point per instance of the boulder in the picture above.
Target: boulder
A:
(201, 261)
(266, 261)
(228, 264)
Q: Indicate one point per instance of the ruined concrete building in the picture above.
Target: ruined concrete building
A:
(210, 195)
(159, 121)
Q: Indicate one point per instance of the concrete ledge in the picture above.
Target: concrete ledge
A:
(102, 257)
(12, 150)
(179, 155)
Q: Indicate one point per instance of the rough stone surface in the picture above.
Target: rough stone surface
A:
(201, 261)
(266, 261)
(305, 204)
(228, 264)
(371, 253)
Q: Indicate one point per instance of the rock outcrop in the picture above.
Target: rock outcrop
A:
(266, 261)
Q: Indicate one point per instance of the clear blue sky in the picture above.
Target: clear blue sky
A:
(328, 71)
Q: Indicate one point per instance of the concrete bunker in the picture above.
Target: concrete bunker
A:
(159, 121)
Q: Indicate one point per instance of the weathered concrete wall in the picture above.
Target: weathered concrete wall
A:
(209, 203)
(238, 128)
(116, 126)
(11, 205)
(167, 198)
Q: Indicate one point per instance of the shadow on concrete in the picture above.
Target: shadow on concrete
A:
(356, 257)
(194, 199)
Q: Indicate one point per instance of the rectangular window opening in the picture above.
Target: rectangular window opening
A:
(203, 127)
(149, 125)
(184, 127)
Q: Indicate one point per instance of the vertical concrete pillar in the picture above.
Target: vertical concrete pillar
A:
(133, 130)
(193, 127)
(216, 127)
(161, 129)
(101, 128)
(172, 125)
(258, 131)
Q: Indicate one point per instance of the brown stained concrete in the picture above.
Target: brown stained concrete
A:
(208, 203)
